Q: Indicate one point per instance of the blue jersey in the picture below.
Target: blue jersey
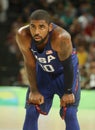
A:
(48, 59)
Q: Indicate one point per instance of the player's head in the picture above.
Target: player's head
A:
(40, 25)
(41, 15)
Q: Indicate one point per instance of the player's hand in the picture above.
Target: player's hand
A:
(67, 99)
(36, 98)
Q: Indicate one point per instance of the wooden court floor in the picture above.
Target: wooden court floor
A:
(12, 118)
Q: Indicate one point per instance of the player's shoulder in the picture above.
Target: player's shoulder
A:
(23, 31)
(61, 32)
(23, 37)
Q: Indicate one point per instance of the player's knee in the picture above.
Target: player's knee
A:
(31, 112)
(68, 113)
(30, 118)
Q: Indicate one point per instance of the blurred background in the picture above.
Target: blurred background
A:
(77, 17)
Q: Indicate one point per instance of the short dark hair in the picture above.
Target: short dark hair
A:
(40, 15)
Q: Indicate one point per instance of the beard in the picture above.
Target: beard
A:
(42, 39)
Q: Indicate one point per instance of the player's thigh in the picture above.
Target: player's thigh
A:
(59, 88)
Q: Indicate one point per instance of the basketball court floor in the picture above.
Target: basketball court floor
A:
(12, 114)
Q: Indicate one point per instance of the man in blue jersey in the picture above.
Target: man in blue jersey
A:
(52, 68)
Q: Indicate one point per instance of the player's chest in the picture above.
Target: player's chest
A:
(46, 57)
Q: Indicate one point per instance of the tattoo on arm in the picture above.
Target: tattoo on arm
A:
(65, 47)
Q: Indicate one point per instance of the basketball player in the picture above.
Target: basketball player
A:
(52, 68)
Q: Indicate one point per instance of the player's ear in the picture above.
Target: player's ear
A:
(50, 27)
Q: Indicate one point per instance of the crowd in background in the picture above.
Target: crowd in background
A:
(77, 17)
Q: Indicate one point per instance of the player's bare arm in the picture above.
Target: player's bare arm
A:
(23, 39)
(64, 53)
(65, 46)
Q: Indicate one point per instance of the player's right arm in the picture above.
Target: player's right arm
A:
(24, 39)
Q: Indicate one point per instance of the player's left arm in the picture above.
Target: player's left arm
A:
(64, 54)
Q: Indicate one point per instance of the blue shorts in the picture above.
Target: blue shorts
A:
(50, 84)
